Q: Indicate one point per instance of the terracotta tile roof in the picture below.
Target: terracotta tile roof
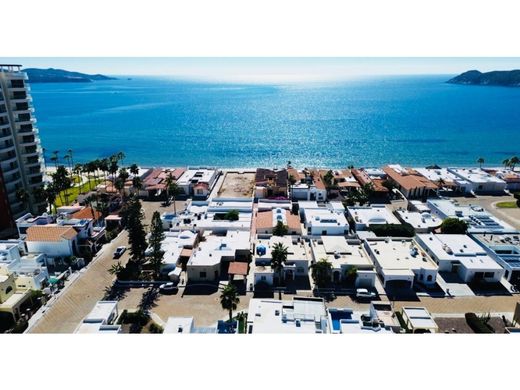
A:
(86, 213)
(293, 221)
(238, 268)
(50, 233)
(186, 252)
(155, 179)
(363, 178)
(264, 220)
(317, 179)
(268, 176)
(409, 180)
(294, 173)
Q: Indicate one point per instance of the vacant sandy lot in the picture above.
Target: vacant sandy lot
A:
(237, 185)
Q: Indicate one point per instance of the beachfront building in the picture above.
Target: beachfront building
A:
(154, 180)
(401, 262)
(210, 260)
(418, 320)
(372, 177)
(376, 214)
(324, 219)
(478, 220)
(504, 248)
(445, 179)
(422, 222)
(410, 182)
(459, 254)
(301, 315)
(182, 325)
(271, 183)
(343, 179)
(266, 221)
(178, 248)
(101, 319)
(344, 254)
(479, 181)
(297, 264)
(21, 156)
(308, 185)
(511, 178)
(347, 321)
(198, 182)
(29, 268)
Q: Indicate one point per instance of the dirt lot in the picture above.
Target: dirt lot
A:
(237, 185)
(459, 325)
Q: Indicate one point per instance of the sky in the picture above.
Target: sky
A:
(266, 69)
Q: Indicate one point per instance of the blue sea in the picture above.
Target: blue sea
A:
(416, 120)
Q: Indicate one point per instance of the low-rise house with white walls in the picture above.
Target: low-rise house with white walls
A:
(271, 183)
(101, 319)
(401, 262)
(343, 179)
(177, 246)
(181, 325)
(271, 204)
(504, 248)
(53, 240)
(347, 321)
(410, 182)
(210, 260)
(344, 254)
(266, 221)
(321, 220)
(29, 268)
(301, 315)
(308, 185)
(375, 214)
(419, 320)
(478, 219)
(458, 253)
(12, 298)
(28, 220)
(198, 182)
(511, 178)
(480, 181)
(423, 222)
(445, 179)
(297, 264)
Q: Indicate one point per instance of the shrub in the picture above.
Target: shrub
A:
(454, 226)
(477, 324)
(393, 230)
(154, 328)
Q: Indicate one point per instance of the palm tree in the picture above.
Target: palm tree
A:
(292, 182)
(137, 183)
(55, 158)
(172, 189)
(320, 272)
(120, 157)
(116, 268)
(506, 163)
(77, 171)
(480, 161)
(229, 299)
(440, 183)
(134, 169)
(278, 258)
(514, 160)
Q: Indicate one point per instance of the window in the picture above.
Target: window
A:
(203, 275)
(8, 290)
(263, 278)
(489, 274)
(430, 278)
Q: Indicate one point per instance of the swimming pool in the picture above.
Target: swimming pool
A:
(338, 315)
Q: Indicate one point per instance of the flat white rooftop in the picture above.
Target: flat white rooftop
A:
(101, 311)
(476, 176)
(198, 175)
(399, 254)
(372, 215)
(178, 325)
(419, 318)
(418, 220)
(339, 251)
(324, 218)
(214, 248)
(443, 174)
(296, 248)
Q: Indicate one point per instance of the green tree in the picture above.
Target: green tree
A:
(351, 275)
(454, 226)
(229, 299)
(61, 182)
(232, 215)
(320, 272)
(134, 169)
(172, 189)
(155, 241)
(328, 179)
(506, 163)
(513, 162)
(280, 229)
(132, 215)
(279, 255)
(116, 269)
(480, 161)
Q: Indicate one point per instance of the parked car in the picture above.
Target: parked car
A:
(363, 293)
(168, 288)
(119, 251)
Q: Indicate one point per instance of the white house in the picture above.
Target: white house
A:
(344, 254)
(198, 182)
(478, 220)
(479, 180)
(101, 319)
(401, 262)
(214, 253)
(504, 248)
(308, 185)
(297, 263)
(375, 214)
(423, 222)
(347, 321)
(460, 254)
(176, 245)
(29, 269)
(419, 320)
(445, 179)
(324, 220)
(266, 221)
(511, 178)
(52, 239)
(301, 315)
(182, 325)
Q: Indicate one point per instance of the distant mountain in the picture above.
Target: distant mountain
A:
(52, 75)
(506, 78)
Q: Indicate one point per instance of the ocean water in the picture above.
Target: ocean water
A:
(416, 120)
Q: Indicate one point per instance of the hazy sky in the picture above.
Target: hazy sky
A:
(268, 69)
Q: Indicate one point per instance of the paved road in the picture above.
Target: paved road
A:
(81, 296)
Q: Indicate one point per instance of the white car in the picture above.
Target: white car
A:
(168, 287)
(119, 251)
(363, 293)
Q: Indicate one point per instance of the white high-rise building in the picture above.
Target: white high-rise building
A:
(21, 156)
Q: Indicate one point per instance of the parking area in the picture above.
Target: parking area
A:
(237, 185)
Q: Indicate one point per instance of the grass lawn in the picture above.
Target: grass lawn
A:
(75, 191)
(507, 205)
